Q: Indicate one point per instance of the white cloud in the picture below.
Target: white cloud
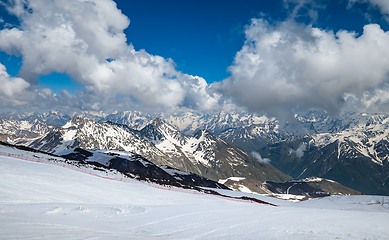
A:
(374, 101)
(259, 158)
(85, 39)
(280, 66)
(288, 64)
(299, 152)
(65, 36)
(13, 90)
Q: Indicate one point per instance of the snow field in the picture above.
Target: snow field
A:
(114, 175)
(42, 201)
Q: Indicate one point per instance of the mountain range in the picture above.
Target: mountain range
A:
(351, 149)
(118, 164)
(159, 142)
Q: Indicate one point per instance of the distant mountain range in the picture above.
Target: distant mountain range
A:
(54, 118)
(13, 129)
(352, 149)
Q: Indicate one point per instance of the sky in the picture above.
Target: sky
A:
(274, 57)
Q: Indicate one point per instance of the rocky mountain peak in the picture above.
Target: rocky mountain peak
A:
(159, 130)
(158, 122)
(77, 122)
(203, 134)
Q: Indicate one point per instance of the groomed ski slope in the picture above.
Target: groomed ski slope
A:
(42, 201)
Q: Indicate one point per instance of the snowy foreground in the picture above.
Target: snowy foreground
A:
(42, 201)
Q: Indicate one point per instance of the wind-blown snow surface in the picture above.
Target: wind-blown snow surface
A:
(42, 201)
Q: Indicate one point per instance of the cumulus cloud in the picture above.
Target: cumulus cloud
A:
(280, 66)
(85, 40)
(285, 65)
(299, 152)
(64, 36)
(259, 158)
(13, 90)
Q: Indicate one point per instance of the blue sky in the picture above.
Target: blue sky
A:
(201, 37)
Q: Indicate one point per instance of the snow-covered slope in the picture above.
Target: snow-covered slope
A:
(40, 201)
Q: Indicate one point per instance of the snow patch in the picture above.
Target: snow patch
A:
(244, 189)
(235, 179)
(69, 135)
(69, 125)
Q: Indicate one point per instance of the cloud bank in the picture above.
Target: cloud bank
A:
(85, 40)
(289, 64)
(281, 66)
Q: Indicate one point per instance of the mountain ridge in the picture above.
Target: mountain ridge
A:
(203, 153)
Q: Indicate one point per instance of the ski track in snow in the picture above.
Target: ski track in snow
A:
(42, 201)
